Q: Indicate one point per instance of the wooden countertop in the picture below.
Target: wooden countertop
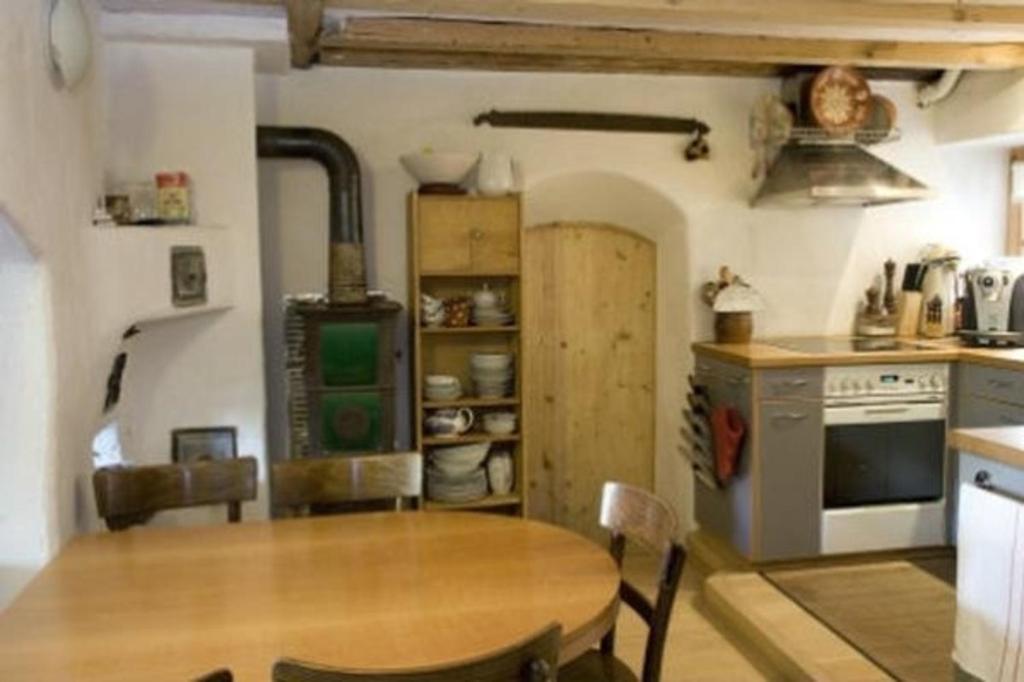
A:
(1001, 443)
(760, 353)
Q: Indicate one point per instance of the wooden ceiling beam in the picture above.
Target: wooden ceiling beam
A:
(975, 15)
(482, 45)
(305, 22)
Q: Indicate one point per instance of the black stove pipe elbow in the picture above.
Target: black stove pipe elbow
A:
(347, 263)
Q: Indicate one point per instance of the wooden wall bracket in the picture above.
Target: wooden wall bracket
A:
(696, 149)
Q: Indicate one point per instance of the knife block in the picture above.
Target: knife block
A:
(910, 313)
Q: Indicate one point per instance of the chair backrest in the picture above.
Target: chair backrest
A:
(636, 514)
(534, 659)
(298, 483)
(130, 495)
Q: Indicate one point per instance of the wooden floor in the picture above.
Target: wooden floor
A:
(699, 648)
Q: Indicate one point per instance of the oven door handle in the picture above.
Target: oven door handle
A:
(884, 414)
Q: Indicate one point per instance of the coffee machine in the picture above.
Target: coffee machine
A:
(994, 309)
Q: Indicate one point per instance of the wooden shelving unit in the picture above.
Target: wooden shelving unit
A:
(458, 244)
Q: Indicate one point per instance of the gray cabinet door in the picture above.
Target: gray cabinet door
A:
(792, 455)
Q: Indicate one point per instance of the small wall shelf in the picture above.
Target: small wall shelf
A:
(470, 438)
(137, 270)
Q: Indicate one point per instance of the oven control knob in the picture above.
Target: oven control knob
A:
(869, 385)
(935, 381)
(844, 386)
(856, 386)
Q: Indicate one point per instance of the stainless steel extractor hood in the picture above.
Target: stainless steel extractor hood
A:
(834, 175)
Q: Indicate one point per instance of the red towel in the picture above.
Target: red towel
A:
(728, 429)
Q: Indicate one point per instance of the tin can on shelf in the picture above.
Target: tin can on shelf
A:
(174, 201)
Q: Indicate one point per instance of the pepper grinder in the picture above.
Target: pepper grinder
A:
(889, 300)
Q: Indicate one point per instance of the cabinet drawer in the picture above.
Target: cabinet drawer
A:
(975, 412)
(1003, 476)
(992, 382)
(468, 235)
(805, 382)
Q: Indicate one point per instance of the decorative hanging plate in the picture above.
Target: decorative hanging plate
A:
(840, 100)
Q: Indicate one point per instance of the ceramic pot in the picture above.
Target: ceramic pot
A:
(733, 327)
(499, 472)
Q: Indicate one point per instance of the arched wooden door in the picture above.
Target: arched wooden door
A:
(589, 392)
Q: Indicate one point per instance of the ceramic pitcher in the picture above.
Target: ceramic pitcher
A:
(499, 472)
(495, 175)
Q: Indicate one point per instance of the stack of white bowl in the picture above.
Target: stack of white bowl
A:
(492, 373)
(455, 474)
(441, 387)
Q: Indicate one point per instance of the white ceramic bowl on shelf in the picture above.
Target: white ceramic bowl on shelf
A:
(490, 360)
(443, 168)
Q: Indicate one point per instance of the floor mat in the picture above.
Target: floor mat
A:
(900, 614)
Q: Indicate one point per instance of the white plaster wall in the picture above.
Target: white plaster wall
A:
(172, 107)
(811, 265)
(48, 179)
(25, 422)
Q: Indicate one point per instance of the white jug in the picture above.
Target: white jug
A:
(495, 175)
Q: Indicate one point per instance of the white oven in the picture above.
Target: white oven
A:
(885, 457)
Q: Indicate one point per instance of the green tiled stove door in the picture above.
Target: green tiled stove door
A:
(351, 421)
(349, 353)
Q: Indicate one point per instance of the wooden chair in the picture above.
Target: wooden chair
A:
(535, 659)
(130, 495)
(633, 513)
(299, 483)
(222, 675)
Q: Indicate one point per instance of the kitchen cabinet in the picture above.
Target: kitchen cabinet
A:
(791, 443)
(728, 512)
(463, 235)
(772, 508)
(458, 245)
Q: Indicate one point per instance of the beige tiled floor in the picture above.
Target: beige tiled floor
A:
(698, 648)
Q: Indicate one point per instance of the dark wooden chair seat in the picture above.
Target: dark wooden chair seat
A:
(130, 495)
(298, 484)
(633, 513)
(535, 659)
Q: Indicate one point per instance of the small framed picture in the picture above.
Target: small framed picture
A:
(204, 443)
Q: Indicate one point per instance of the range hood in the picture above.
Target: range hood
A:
(817, 174)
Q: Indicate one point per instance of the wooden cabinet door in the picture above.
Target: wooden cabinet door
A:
(466, 235)
(792, 456)
(494, 235)
(443, 238)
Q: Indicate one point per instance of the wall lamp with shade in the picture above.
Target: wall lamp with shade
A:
(70, 41)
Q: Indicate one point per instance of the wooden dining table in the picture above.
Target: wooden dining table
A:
(376, 591)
